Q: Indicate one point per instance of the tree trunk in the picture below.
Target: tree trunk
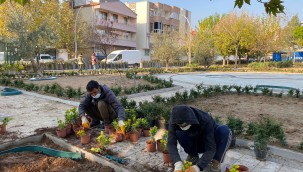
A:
(224, 61)
(227, 61)
(236, 57)
(166, 65)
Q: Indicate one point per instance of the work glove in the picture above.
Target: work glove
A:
(85, 122)
(178, 166)
(121, 123)
(193, 168)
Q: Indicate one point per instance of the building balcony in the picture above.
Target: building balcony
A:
(116, 25)
(125, 43)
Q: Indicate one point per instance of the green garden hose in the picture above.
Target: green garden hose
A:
(44, 150)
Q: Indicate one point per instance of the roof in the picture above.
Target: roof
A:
(118, 7)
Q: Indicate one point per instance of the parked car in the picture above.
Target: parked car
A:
(44, 58)
(100, 56)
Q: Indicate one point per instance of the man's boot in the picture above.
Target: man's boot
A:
(215, 166)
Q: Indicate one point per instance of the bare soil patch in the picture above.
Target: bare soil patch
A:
(33, 161)
(81, 81)
(288, 111)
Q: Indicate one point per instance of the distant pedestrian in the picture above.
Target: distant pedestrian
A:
(94, 61)
(80, 62)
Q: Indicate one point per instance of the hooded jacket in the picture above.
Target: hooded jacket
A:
(203, 132)
(107, 96)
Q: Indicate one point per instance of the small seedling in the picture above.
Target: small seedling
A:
(234, 168)
(104, 140)
(81, 133)
(153, 132)
(6, 120)
(61, 124)
(186, 165)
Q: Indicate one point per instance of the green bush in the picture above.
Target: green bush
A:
(300, 146)
(235, 124)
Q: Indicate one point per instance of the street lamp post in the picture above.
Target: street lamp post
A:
(75, 34)
(190, 40)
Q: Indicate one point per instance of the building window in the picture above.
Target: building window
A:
(125, 20)
(115, 18)
(104, 15)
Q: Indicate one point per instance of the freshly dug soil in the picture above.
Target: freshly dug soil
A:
(36, 162)
(287, 111)
(81, 81)
(32, 162)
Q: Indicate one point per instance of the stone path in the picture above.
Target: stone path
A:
(32, 111)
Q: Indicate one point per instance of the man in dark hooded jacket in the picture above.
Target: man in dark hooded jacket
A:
(197, 132)
(100, 104)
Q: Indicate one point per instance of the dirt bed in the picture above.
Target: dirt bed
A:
(32, 162)
(288, 111)
(81, 81)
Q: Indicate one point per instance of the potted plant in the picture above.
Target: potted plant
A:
(151, 144)
(166, 156)
(5, 121)
(127, 128)
(237, 168)
(186, 165)
(118, 134)
(139, 128)
(85, 137)
(104, 141)
(265, 130)
(145, 127)
(109, 128)
(133, 135)
(236, 126)
(160, 146)
(71, 117)
(61, 131)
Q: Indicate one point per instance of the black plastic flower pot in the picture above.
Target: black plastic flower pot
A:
(261, 154)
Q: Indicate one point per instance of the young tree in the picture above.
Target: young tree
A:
(165, 46)
(267, 35)
(204, 45)
(234, 30)
(288, 36)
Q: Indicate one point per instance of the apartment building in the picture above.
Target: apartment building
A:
(122, 20)
(155, 17)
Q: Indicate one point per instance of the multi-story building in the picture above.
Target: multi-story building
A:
(122, 20)
(156, 17)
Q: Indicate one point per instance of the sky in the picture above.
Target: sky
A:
(201, 9)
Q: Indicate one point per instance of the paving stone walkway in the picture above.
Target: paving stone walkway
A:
(50, 108)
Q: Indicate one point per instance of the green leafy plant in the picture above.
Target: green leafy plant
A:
(103, 140)
(116, 126)
(235, 124)
(163, 140)
(234, 168)
(153, 131)
(127, 125)
(300, 146)
(6, 120)
(186, 165)
(81, 133)
(61, 124)
(96, 150)
(266, 129)
(71, 115)
(144, 124)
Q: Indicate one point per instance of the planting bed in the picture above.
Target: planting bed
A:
(250, 108)
(81, 81)
(33, 161)
(135, 154)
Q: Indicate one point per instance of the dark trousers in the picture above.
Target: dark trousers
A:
(101, 112)
(223, 138)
